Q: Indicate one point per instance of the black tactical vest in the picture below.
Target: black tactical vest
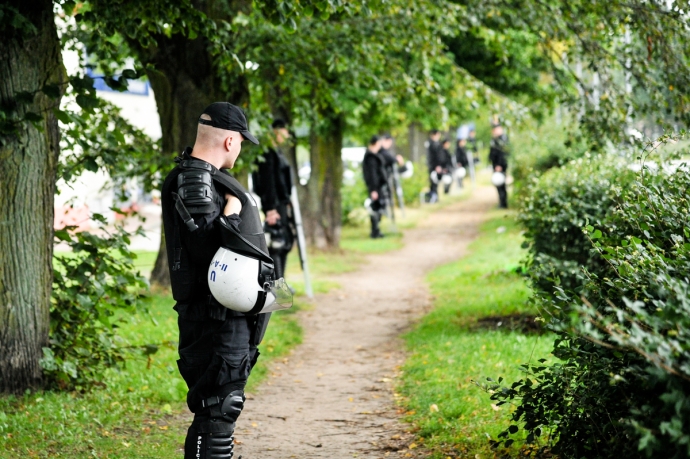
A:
(189, 283)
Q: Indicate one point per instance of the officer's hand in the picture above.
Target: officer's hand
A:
(498, 169)
(374, 195)
(400, 159)
(232, 206)
(272, 217)
(438, 169)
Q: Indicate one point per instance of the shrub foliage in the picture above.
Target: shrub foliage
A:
(609, 261)
(95, 287)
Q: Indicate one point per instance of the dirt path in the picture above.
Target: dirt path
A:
(333, 398)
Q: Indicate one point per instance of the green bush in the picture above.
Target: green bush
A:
(414, 185)
(555, 208)
(539, 148)
(95, 287)
(611, 264)
(353, 196)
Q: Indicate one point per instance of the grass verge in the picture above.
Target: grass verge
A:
(449, 349)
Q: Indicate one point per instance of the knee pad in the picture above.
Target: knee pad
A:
(210, 439)
(232, 406)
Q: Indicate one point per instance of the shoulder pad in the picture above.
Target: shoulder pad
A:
(195, 188)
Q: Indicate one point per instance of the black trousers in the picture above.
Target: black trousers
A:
(433, 187)
(502, 196)
(378, 206)
(216, 356)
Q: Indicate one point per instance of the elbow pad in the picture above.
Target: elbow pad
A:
(195, 188)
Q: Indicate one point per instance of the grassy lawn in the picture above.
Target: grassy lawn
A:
(450, 348)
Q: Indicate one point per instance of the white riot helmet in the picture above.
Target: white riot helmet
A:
(240, 276)
(433, 176)
(447, 179)
(368, 206)
(460, 173)
(409, 170)
(498, 178)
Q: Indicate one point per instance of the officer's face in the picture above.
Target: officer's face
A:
(387, 143)
(282, 134)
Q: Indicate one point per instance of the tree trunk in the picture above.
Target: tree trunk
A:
(29, 155)
(184, 83)
(322, 214)
(416, 139)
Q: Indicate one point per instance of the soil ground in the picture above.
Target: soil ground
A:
(334, 396)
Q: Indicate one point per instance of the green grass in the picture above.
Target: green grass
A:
(450, 414)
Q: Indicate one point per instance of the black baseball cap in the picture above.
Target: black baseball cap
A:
(230, 117)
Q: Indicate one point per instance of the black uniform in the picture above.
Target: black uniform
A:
(461, 156)
(434, 158)
(498, 156)
(374, 169)
(446, 166)
(273, 183)
(217, 346)
(461, 160)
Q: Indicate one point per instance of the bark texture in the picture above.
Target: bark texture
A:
(322, 210)
(29, 59)
(184, 83)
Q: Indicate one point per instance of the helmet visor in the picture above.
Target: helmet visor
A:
(279, 296)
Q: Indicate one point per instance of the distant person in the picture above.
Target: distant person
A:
(273, 183)
(374, 170)
(392, 161)
(498, 157)
(389, 156)
(461, 160)
(434, 160)
(446, 166)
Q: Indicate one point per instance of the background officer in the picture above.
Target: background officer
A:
(217, 346)
(434, 160)
(273, 183)
(394, 165)
(374, 169)
(498, 157)
(461, 159)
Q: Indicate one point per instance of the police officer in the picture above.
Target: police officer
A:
(217, 346)
(391, 161)
(498, 157)
(273, 183)
(434, 160)
(461, 159)
(374, 169)
(446, 166)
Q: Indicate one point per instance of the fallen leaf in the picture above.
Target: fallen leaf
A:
(433, 408)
